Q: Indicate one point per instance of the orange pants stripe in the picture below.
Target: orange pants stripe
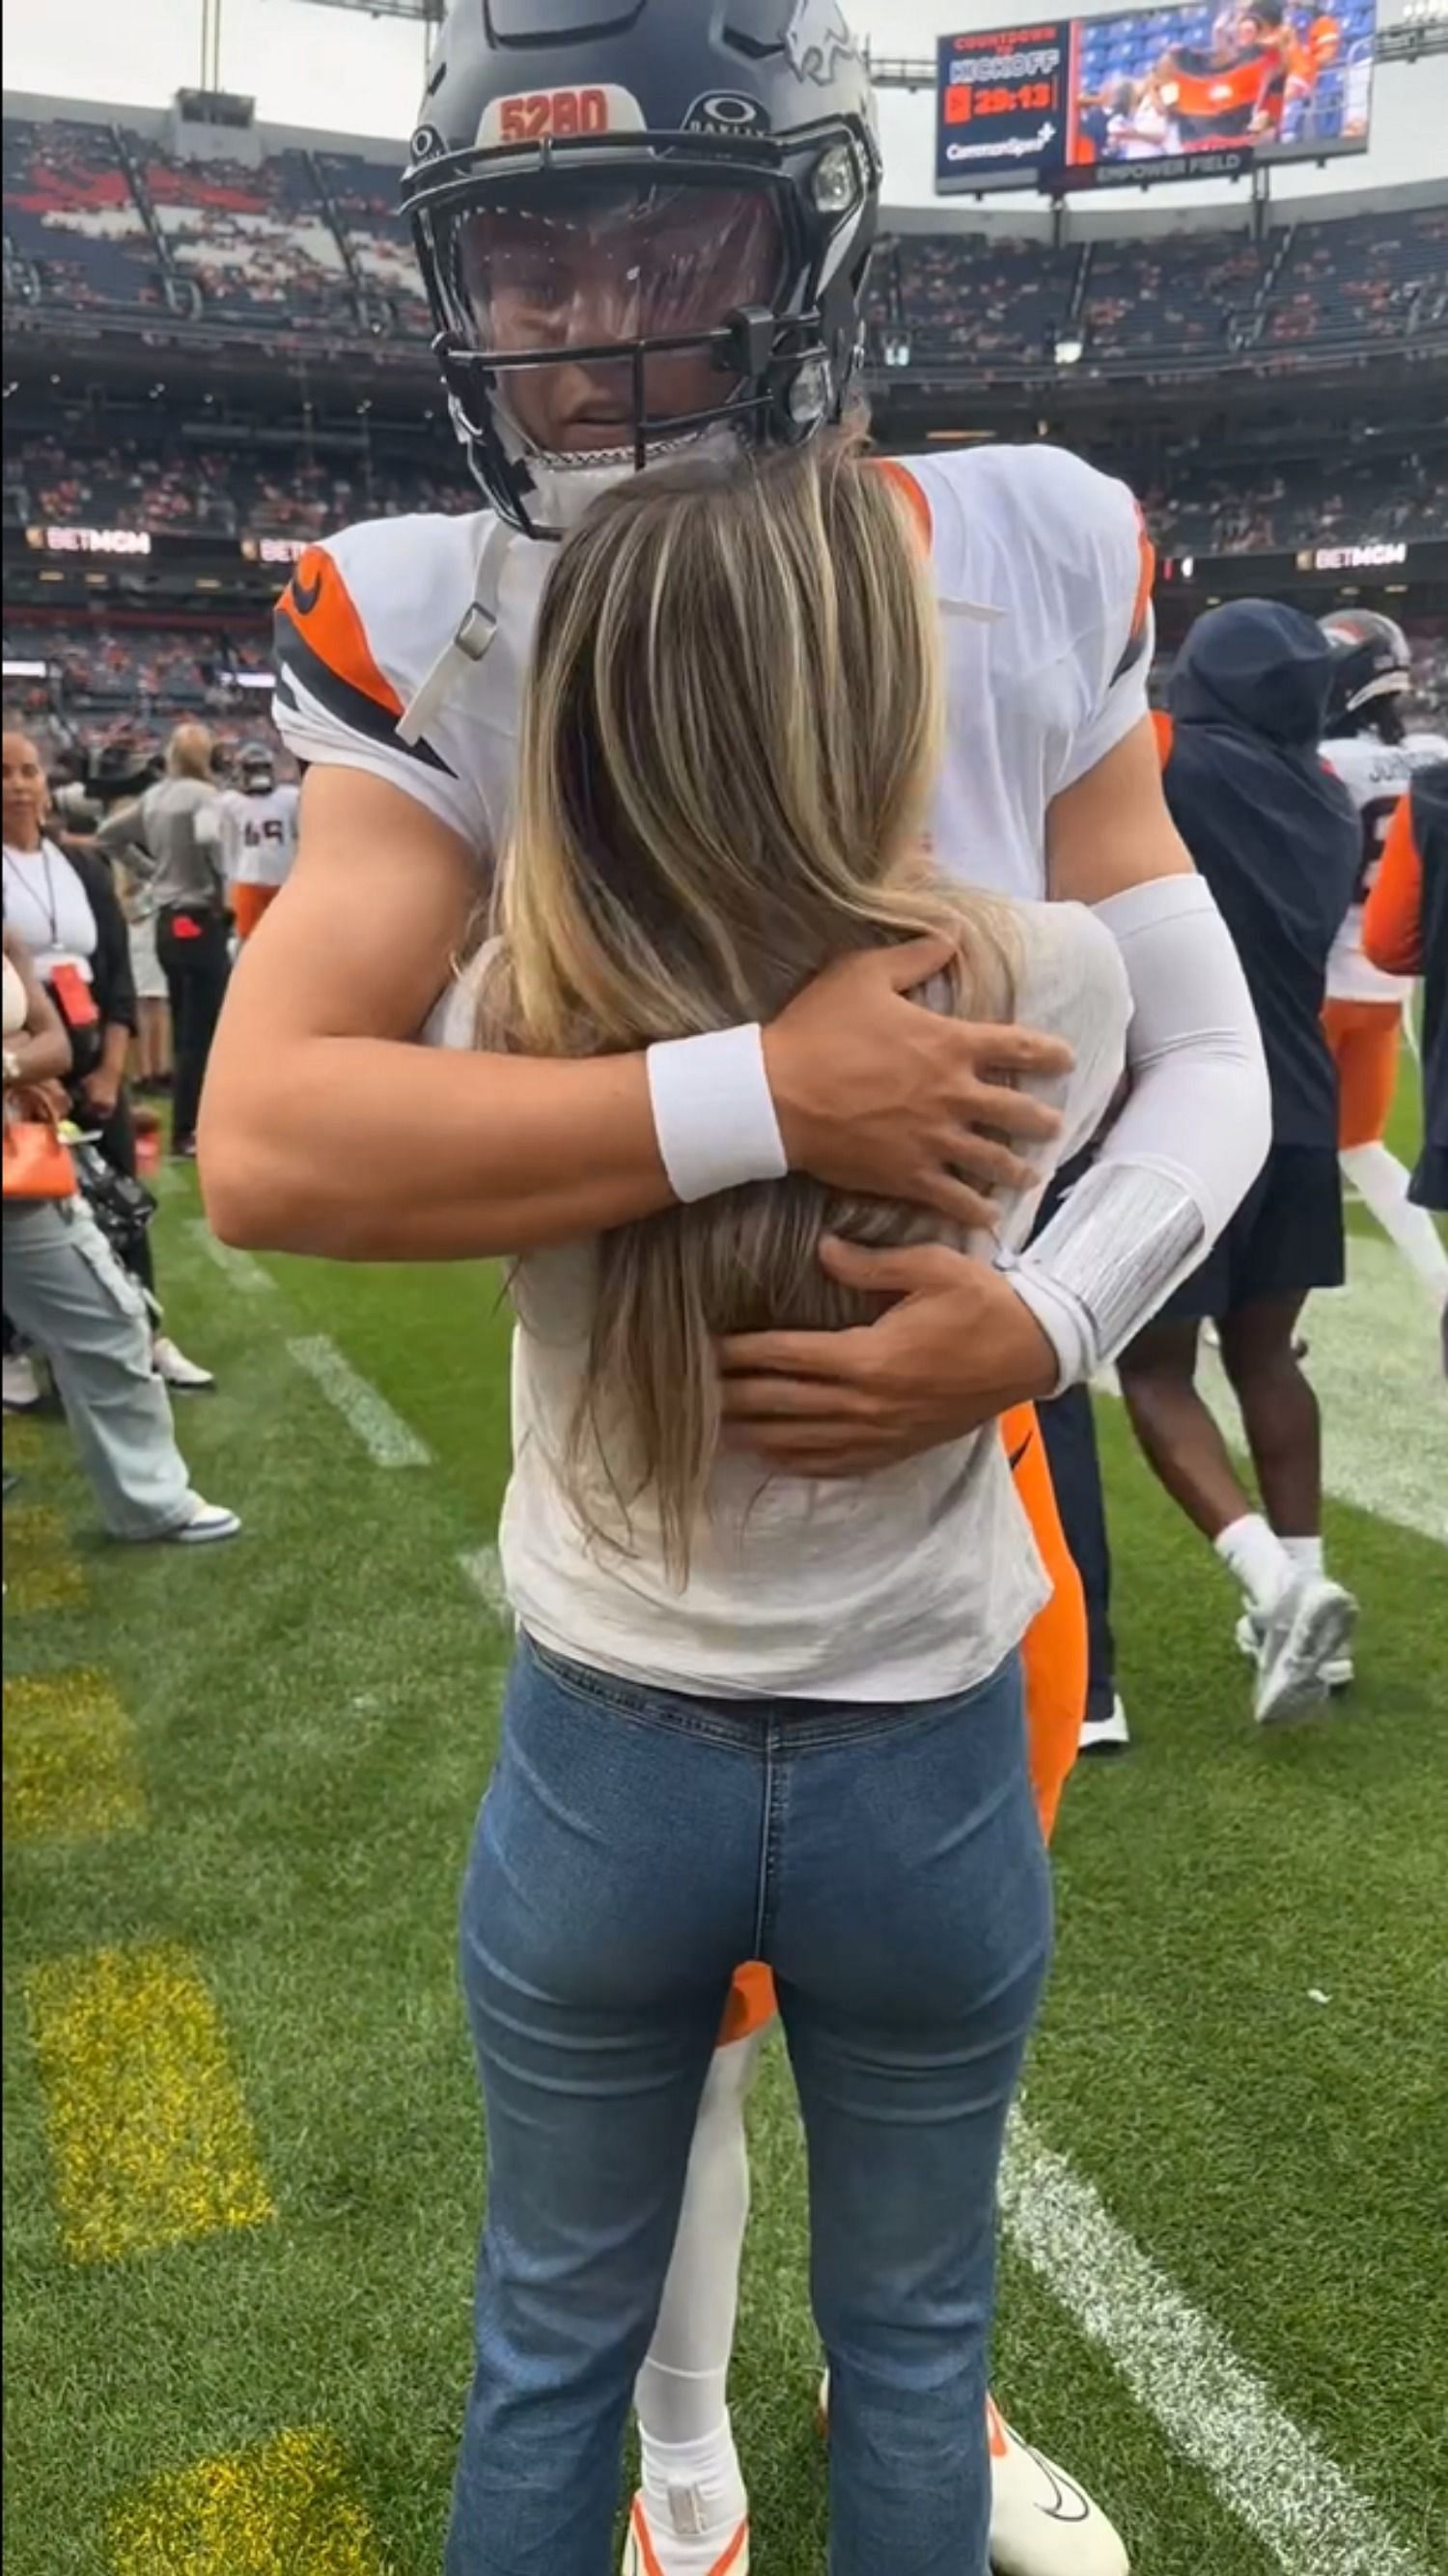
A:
(1365, 1038)
(1055, 1655)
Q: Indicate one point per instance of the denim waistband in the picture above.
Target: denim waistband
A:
(765, 1728)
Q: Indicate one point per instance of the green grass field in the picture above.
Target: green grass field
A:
(264, 1762)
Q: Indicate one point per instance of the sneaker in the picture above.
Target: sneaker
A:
(173, 1366)
(1105, 1731)
(1041, 2522)
(1339, 1672)
(645, 2554)
(21, 1385)
(1306, 1632)
(206, 1523)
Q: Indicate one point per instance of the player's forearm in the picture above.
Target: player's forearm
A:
(465, 1156)
(1186, 1148)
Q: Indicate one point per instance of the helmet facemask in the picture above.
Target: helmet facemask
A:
(602, 306)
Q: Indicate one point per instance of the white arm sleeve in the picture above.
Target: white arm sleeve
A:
(1186, 1148)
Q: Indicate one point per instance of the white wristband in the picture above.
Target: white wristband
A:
(714, 1114)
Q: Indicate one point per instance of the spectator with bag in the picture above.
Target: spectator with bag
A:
(174, 840)
(71, 1297)
(64, 906)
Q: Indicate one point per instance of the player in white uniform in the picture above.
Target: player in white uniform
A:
(564, 185)
(1376, 759)
(262, 830)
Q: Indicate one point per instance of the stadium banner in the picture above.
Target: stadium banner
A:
(1200, 90)
(1002, 104)
(1397, 563)
(165, 544)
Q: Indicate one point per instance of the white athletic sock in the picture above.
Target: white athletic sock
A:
(692, 2484)
(1256, 1556)
(1304, 1555)
(1381, 1181)
(694, 2497)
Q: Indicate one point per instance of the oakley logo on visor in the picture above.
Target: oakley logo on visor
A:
(560, 115)
(816, 39)
(722, 113)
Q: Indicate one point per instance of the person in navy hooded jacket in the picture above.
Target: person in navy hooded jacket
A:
(1277, 840)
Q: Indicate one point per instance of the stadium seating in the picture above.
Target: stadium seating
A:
(71, 216)
(311, 241)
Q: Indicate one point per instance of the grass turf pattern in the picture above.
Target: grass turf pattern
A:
(313, 1712)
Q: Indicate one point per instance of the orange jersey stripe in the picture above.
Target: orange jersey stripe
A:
(911, 494)
(322, 609)
(1392, 922)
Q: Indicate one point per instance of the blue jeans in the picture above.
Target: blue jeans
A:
(633, 1847)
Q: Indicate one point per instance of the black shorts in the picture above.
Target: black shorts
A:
(1286, 1237)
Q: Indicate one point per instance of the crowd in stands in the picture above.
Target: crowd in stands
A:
(1199, 508)
(1152, 300)
(310, 240)
(64, 483)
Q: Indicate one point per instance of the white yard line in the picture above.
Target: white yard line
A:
(485, 1574)
(1181, 2369)
(383, 1433)
(237, 1267)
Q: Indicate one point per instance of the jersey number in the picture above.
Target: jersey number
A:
(1376, 820)
(557, 111)
(271, 830)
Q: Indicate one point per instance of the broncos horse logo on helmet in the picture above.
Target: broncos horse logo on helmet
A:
(1372, 672)
(612, 275)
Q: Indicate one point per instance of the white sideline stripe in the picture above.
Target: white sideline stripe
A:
(383, 1433)
(237, 1267)
(1180, 2368)
(485, 1574)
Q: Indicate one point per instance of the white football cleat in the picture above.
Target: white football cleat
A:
(1108, 1734)
(175, 1370)
(1307, 1632)
(646, 2554)
(206, 1524)
(1041, 2522)
(1339, 1674)
(21, 1385)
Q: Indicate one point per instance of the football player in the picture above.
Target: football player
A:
(1377, 758)
(261, 835)
(639, 233)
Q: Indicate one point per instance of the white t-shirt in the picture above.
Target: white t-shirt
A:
(48, 907)
(902, 1586)
(1376, 775)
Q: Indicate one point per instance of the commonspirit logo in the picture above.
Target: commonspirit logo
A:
(1011, 147)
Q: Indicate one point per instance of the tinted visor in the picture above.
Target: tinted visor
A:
(556, 266)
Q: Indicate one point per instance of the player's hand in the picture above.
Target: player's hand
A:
(876, 1094)
(101, 1091)
(958, 1348)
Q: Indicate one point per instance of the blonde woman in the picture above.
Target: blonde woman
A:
(173, 841)
(751, 1716)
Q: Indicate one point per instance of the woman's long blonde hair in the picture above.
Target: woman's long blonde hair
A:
(731, 732)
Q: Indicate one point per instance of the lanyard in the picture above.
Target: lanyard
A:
(52, 909)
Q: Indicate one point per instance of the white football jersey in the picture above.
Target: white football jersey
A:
(1376, 775)
(261, 835)
(1044, 576)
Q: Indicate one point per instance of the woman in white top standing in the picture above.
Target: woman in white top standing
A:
(65, 908)
(756, 1717)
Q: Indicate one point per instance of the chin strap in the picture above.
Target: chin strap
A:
(470, 640)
